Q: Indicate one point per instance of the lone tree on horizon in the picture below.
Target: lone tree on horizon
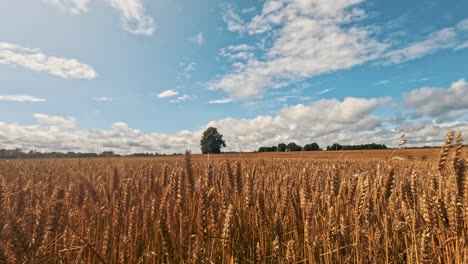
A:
(212, 141)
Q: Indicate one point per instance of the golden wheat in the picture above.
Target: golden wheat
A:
(235, 210)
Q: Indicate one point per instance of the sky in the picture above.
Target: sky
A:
(151, 75)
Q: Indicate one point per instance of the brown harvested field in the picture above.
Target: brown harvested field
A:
(326, 207)
(410, 154)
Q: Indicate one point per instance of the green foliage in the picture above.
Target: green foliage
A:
(268, 149)
(33, 154)
(335, 146)
(312, 147)
(294, 147)
(282, 147)
(290, 147)
(212, 141)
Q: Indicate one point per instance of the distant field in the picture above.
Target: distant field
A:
(411, 154)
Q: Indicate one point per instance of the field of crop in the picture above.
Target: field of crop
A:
(250, 208)
(424, 154)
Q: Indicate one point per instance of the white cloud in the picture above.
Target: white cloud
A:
(323, 121)
(241, 47)
(324, 91)
(61, 134)
(182, 98)
(167, 93)
(422, 79)
(132, 13)
(172, 93)
(55, 121)
(75, 7)
(238, 52)
(103, 99)
(222, 101)
(197, 39)
(285, 98)
(311, 39)
(446, 38)
(248, 10)
(439, 102)
(320, 121)
(308, 38)
(463, 45)
(441, 39)
(383, 82)
(188, 69)
(350, 110)
(463, 25)
(33, 59)
(133, 17)
(234, 21)
(350, 121)
(20, 98)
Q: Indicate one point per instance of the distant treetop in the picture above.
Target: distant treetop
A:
(212, 141)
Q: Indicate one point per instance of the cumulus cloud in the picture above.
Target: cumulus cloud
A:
(463, 25)
(439, 102)
(233, 21)
(20, 98)
(133, 17)
(60, 134)
(167, 93)
(238, 52)
(132, 13)
(55, 121)
(463, 45)
(325, 121)
(311, 39)
(35, 60)
(197, 39)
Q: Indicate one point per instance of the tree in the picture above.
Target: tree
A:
(268, 149)
(335, 146)
(294, 147)
(212, 141)
(312, 147)
(282, 147)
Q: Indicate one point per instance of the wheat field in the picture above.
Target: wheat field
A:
(236, 210)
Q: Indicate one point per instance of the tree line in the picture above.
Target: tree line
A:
(282, 147)
(33, 154)
(337, 146)
(212, 142)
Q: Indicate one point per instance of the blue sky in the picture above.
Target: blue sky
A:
(136, 75)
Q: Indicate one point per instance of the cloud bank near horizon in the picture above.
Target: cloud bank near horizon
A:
(325, 121)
